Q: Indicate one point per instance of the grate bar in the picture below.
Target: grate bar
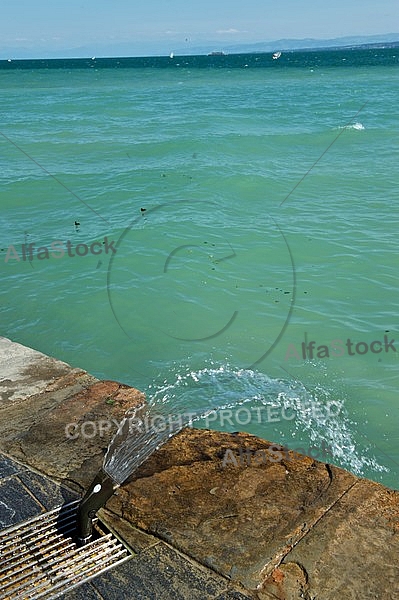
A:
(39, 558)
(67, 509)
(11, 553)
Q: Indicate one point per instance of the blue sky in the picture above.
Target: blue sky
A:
(48, 26)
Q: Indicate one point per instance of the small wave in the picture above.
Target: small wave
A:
(357, 126)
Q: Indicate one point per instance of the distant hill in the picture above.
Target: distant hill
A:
(375, 41)
(162, 48)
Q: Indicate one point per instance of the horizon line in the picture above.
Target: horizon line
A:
(364, 45)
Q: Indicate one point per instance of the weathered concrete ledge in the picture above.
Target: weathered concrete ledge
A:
(201, 528)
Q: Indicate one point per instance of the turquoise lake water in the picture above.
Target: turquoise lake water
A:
(240, 212)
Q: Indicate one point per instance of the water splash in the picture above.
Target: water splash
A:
(357, 126)
(146, 427)
(318, 415)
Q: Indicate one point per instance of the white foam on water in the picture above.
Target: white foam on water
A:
(357, 126)
(318, 415)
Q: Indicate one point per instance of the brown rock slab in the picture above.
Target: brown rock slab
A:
(241, 520)
(57, 419)
(69, 440)
(353, 552)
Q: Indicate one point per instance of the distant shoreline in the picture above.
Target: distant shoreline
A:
(378, 54)
(125, 50)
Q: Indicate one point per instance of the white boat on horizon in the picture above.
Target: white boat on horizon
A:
(276, 55)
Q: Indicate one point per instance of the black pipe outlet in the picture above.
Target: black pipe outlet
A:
(100, 490)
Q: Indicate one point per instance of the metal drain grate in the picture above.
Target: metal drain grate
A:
(39, 558)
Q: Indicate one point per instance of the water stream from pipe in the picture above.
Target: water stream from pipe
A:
(195, 396)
